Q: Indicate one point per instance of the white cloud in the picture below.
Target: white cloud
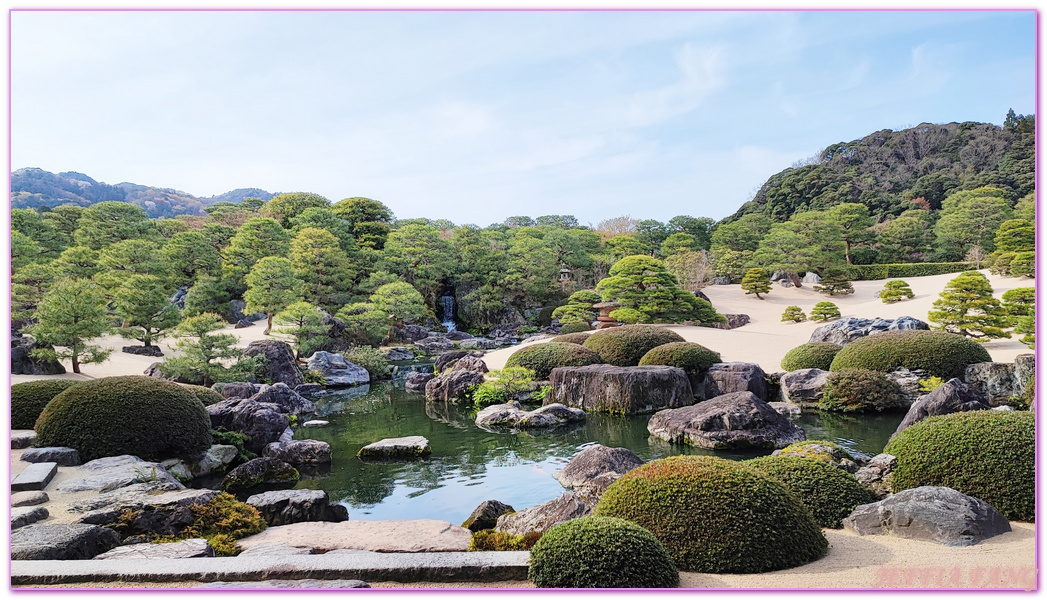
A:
(701, 74)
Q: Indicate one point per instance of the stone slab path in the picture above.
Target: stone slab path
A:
(35, 477)
(421, 535)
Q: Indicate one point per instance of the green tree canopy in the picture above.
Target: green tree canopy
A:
(285, 207)
(305, 324)
(255, 239)
(105, 223)
(76, 262)
(322, 265)
(119, 261)
(756, 281)
(205, 354)
(70, 315)
(271, 287)
(188, 255)
(400, 302)
(967, 307)
(143, 302)
(1016, 235)
(420, 257)
(741, 235)
(642, 283)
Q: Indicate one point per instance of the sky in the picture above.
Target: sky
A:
(476, 116)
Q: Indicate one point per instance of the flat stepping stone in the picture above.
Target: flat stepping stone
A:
(35, 477)
(422, 535)
(66, 457)
(61, 542)
(316, 423)
(275, 550)
(22, 438)
(27, 515)
(288, 583)
(193, 548)
(28, 498)
(414, 446)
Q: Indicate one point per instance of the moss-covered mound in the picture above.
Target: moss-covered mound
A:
(813, 355)
(29, 399)
(144, 416)
(625, 346)
(543, 358)
(489, 540)
(601, 552)
(715, 515)
(828, 492)
(940, 354)
(985, 453)
(693, 358)
(204, 394)
(221, 522)
(823, 450)
(575, 328)
(861, 390)
(571, 338)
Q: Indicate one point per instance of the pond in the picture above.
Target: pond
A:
(469, 465)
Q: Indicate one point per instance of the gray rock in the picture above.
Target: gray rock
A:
(63, 457)
(876, 475)
(275, 550)
(337, 371)
(281, 366)
(397, 353)
(908, 383)
(452, 385)
(22, 438)
(1000, 381)
(953, 396)
(732, 421)
(779, 275)
(907, 324)
(27, 515)
(844, 331)
(803, 386)
(1024, 371)
(480, 344)
(315, 423)
(214, 460)
(596, 467)
(177, 468)
(309, 390)
(284, 507)
(300, 452)
(238, 389)
(415, 332)
(23, 363)
(721, 280)
(413, 446)
(811, 277)
(511, 415)
(191, 548)
(143, 350)
(28, 498)
(930, 513)
(445, 361)
(786, 409)
(470, 363)
(61, 542)
(734, 321)
(289, 401)
(730, 377)
(149, 513)
(35, 477)
(458, 336)
(124, 495)
(288, 584)
(435, 345)
(822, 452)
(261, 422)
(112, 472)
(540, 518)
(257, 471)
(415, 382)
(486, 515)
(626, 390)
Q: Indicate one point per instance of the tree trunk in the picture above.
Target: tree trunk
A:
(796, 280)
(268, 325)
(76, 365)
(847, 251)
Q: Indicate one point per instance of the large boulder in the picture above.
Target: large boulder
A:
(951, 397)
(289, 401)
(470, 363)
(730, 377)
(412, 446)
(258, 471)
(908, 381)
(112, 472)
(595, 468)
(414, 332)
(337, 371)
(538, 519)
(148, 512)
(415, 382)
(803, 386)
(64, 457)
(61, 542)
(452, 385)
(299, 453)
(262, 423)
(191, 548)
(23, 363)
(843, 331)
(236, 389)
(281, 366)
(485, 516)
(446, 360)
(876, 475)
(734, 321)
(1001, 381)
(480, 344)
(283, 507)
(625, 390)
(434, 345)
(397, 353)
(511, 415)
(732, 421)
(930, 513)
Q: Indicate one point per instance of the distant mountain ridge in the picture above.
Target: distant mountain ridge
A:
(32, 188)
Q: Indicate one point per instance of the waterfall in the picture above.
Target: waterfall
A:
(447, 315)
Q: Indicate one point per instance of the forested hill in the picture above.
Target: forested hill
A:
(887, 170)
(33, 188)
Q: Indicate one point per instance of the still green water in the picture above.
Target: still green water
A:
(469, 465)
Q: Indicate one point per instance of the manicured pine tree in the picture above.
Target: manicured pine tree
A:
(579, 308)
(966, 306)
(835, 283)
(895, 291)
(271, 287)
(203, 352)
(305, 324)
(825, 311)
(756, 281)
(144, 305)
(794, 314)
(70, 315)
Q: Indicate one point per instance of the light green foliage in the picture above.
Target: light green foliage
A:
(969, 219)
(929, 385)
(692, 269)
(678, 242)
(730, 263)
(694, 359)
(830, 493)
(626, 245)
(364, 323)
(578, 327)
(1019, 302)
(325, 218)
(967, 307)
(285, 207)
(579, 308)
(1026, 208)
(643, 284)
(69, 316)
(205, 353)
(221, 522)
(28, 399)
(106, 223)
(851, 222)
(76, 262)
(629, 316)
(793, 313)
(168, 228)
(24, 251)
(305, 324)
(254, 240)
(64, 218)
(812, 355)
(531, 272)
(122, 260)
(271, 287)
(571, 247)
(503, 385)
(188, 255)
(1027, 325)
(895, 291)
(756, 281)
(825, 311)
(834, 282)
(371, 359)
(700, 228)
(208, 294)
(541, 359)
(40, 232)
(741, 235)
(400, 302)
(905, 239)
(625, 346)
(323, 267)
(420, 257)
(28, 285)
(861, 390)
(1024, 264)
(368, 218)
(143, 302)
(1016, 235)
(941, 354)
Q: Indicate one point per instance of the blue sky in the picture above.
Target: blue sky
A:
(476, 116)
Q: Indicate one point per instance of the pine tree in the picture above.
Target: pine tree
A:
(70, 315)
(642, 283)
(966, 306)
(271, 287)
(835, 283)
(321, 263)
(794, 314)
(305, 325)
(895, 291)
(579, 308)
(144, 305)
(825, 311)
(205, 353)
(756, 281)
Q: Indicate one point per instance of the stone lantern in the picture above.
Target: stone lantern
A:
(605, 319)
(565, 273)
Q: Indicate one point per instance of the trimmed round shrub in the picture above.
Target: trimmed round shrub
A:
(715, 515)
(940, 354)
(813, 355)
(205, 395)
(575, 327)
(861, 390)
(828, 492)
(794, 314)
(825, 311)
(693, 358)
(987, 454)
(543, 358)
(571, 338)
(144, 416)
(29, 399)
(601, 552)
(823, 450)
(624, 346)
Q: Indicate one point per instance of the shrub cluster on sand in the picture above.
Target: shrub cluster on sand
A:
(940, 354)
(985, 453)
(625, 346)
(715, 515)
(144, 416)
(29, 399)
(694, 359)
(828, 492)
(221, 522)
(601, 552)
(813, 355)
(861, 390)
(825, 311)
(543, 358)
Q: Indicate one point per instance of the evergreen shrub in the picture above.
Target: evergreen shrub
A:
(543, 358)
(625, 346)
(830, 493)
(812, 355)
(29, 399)
(940, 354)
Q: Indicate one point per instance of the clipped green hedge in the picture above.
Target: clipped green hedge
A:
(29, 399)
(861, 390)
(987, 454)
(543, 358)
(694, 359)
(868, 272)
(624, 346)
(941, 354)
(575, 327)
(601, 552)
(715, 515)
(830, 493)
(148, 417)
(813, 355)
(571, 338)
(204, 394)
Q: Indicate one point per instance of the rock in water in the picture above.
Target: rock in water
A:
(281, 366)
(257, 471)
(486, 515)
(625, 390)
(413, 446)
(951, 397)
(727, 378)
(511, 415)
(930, 513)
(337, 371)
(595, 468)
(284, 507)
(415, 382)
(732, 421)
(452, 385)
(804, 386)
(540, 518)
(300, 452)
